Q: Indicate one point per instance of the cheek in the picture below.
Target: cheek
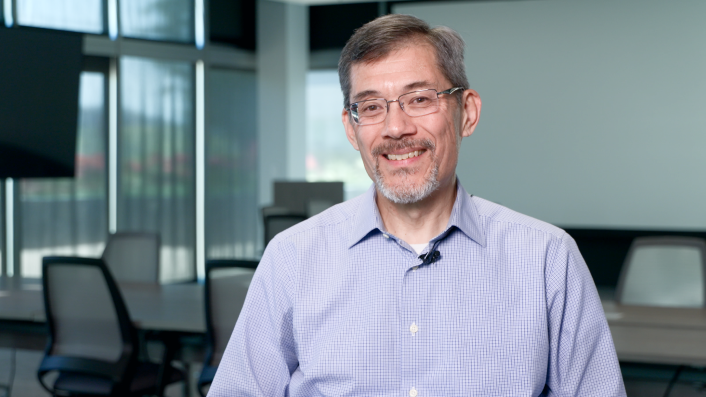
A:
(365, 147)
(366, 141)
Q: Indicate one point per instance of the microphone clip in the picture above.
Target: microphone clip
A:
(430, 257)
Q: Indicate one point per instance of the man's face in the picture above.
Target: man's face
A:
(427, 144)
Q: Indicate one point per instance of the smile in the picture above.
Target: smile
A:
(396, 157)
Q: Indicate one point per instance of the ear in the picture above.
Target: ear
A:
(350, 131)
(471, 112)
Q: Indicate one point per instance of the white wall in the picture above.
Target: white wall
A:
(594, 112)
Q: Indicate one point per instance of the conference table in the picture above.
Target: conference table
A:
(641, 334)
(657, 335)
(171, 308)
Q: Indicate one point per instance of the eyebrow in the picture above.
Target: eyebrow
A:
(364, 94)
(417, 85)
(376, 94)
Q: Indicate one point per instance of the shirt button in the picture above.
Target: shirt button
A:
(414, 269)
(386, 236)
(413, 329)
(413, 392)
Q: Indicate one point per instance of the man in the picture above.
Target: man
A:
(417, 288)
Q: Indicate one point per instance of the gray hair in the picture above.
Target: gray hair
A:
(376, 39)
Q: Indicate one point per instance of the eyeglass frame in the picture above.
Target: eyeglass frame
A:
(349, 109)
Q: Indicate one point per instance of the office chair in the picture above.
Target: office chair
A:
(227, 284)
(133, 256)
(664, 271)
(92, 344)
(277, 223)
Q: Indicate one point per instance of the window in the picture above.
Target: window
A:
(156, 159)
(171, 20)
(232, 217)
(77, 15)
(65, 216)
(136, 151)
(329, 155)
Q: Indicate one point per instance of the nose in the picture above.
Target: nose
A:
(397, 123)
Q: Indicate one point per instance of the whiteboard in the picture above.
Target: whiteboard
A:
(594, 112)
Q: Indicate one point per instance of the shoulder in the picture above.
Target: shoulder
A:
(305, 243)
(494, 216)
(330, 228)
(338, 216)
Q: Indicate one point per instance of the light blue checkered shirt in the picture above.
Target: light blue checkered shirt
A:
(340, 307)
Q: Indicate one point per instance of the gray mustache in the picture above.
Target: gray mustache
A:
(403, 144)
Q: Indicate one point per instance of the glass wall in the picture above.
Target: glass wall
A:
(65, 216)
(3, 270)
(77, 15)
(329, 155)
(155, 125)
(156, 185)
(232, 217)
(171, 20)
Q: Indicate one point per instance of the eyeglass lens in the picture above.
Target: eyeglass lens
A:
(418, 103)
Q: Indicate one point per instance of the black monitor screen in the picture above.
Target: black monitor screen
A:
(39, 86)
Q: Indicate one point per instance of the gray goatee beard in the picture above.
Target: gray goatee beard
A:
(406, 192)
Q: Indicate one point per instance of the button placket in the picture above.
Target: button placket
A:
(409, 300)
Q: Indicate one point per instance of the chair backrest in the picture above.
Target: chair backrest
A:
(277, 223)
(87, 319)
(133, 256)
(664, 271)
(227, 283)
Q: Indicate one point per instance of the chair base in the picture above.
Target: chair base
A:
(144, 381)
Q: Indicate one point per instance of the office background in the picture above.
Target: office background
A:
(593, 119)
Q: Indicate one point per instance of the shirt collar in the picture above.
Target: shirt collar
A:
(464, 216)
(367, 218)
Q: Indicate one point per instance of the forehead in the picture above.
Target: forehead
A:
(397, 70)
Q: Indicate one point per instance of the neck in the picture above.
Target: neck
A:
(418, 222)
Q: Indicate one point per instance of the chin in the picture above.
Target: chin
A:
(405, 192)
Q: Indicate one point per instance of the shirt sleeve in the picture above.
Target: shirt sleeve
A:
(582, 358)
(261, 353)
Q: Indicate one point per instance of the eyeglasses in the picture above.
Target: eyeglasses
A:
(414, 104)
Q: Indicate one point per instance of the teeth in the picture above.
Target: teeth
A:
(404, 156)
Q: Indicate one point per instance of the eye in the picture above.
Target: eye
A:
(419, 100)
(370, 108)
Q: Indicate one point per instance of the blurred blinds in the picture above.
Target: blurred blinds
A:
(68, 216)
(156, 159)
(232, 217)
(77, 15)
(3, 271)
(171, 20)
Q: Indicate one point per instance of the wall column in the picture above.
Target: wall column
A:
(282, 63)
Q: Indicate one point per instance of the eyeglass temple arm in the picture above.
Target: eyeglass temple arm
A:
(451, 90)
